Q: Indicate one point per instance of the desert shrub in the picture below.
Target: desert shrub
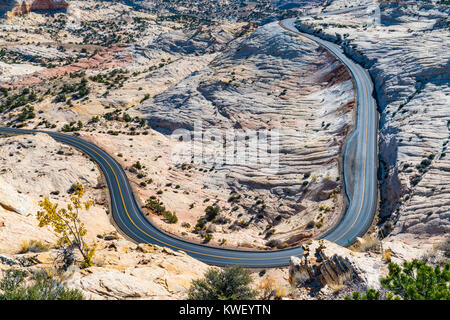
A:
(33, 246)
(370, 294)
(370, 243)
(127, 118)
(207, 237)
(146, 97)
(170, 217)
(414, 281)
(27, 113)
(211, 212)
(42, 287)
(231, 283)
(201, 224)
(270, 233)
(61, 97)
(310, 225)
(415, 180)
(234, 198)
(155, 205)
(71, 127)
(138, 165)
(94, 119)
(387, 255)
(269, 289)
(271, 243)
(186, 225)
(221, 220)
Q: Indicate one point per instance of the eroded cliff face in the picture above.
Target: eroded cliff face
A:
(11, 8)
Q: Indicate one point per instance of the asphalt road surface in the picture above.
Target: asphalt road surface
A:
(359, 171)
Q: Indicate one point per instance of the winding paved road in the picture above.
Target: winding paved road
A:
(359, 171)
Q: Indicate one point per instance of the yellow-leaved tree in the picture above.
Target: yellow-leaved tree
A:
(67, 224)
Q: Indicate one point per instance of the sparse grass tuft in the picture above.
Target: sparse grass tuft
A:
(33, 246)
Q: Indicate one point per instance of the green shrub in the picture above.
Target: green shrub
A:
(42, 287)
(94, 119)
(271, 243)
(170, 217)
(211, 212)
(27, 113)
(370, 294)
(201, 224)
(127, 118)
(234, 198)
(138, 165)
(207, 237)
(231, 283)
(155, 205)
(414, 281)
(310, 225)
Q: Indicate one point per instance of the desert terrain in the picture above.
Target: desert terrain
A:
(138, 78)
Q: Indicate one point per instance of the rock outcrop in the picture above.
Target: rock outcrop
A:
(11, 8)
(327, 264)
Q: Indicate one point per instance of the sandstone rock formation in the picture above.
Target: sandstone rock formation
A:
(328, 264)
(12, 8)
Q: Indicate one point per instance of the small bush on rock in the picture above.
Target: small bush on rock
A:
(231, 283)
